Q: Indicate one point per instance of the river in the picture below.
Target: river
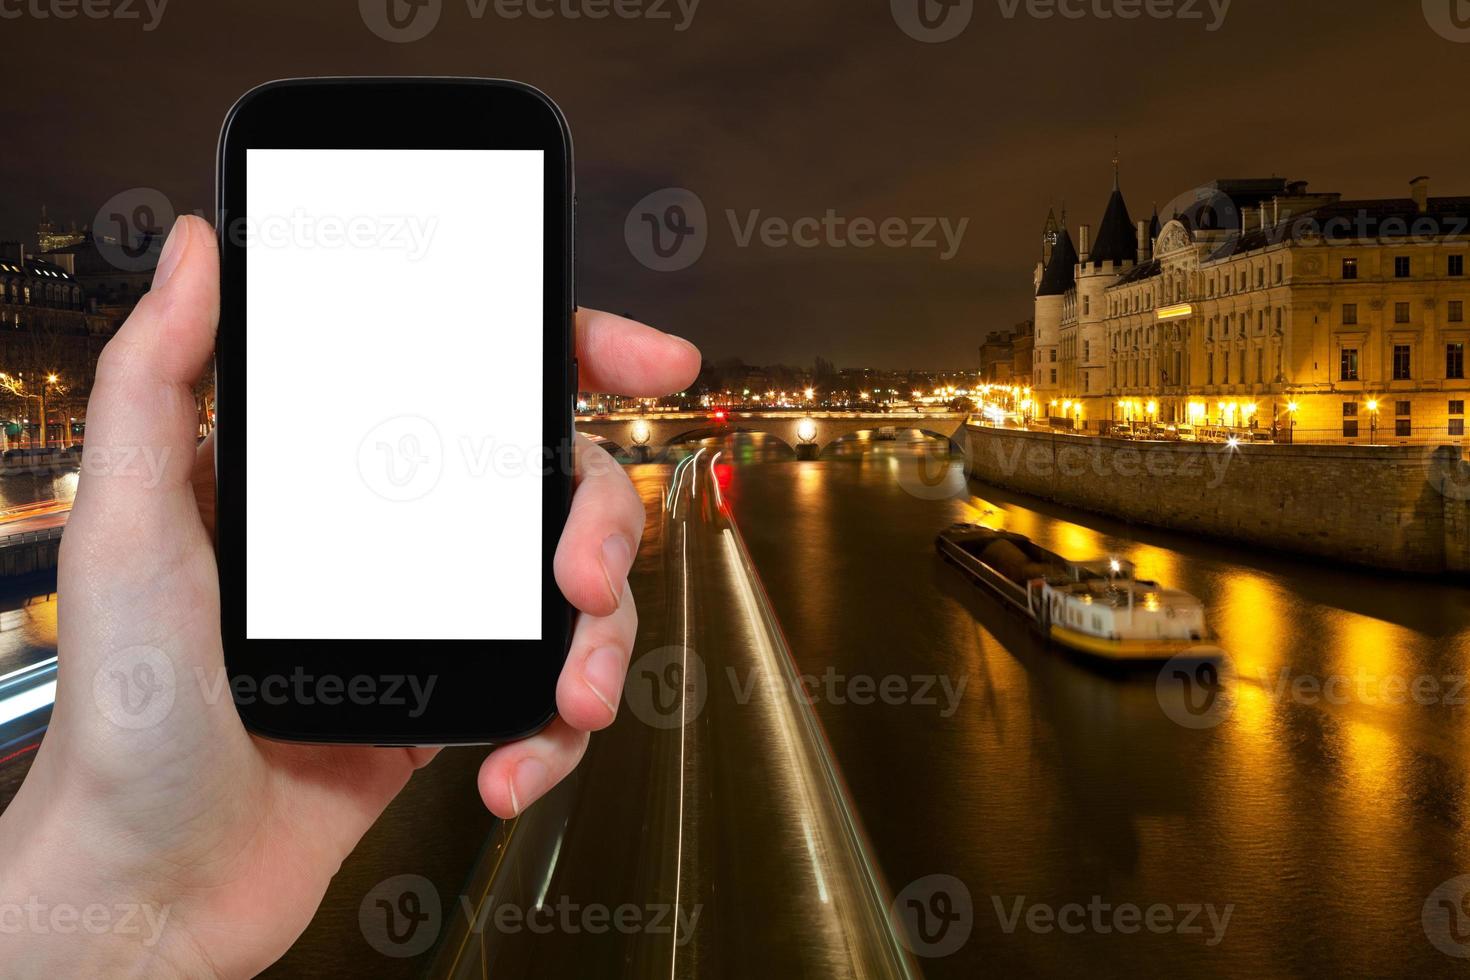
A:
(1293, 818)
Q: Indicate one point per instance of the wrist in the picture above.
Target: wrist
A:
(63, 912)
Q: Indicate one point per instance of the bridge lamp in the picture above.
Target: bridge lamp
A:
(641, 433)
(810, 393)
(806, 430)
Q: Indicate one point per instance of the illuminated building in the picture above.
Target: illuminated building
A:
(50, 236)
(1258, 303)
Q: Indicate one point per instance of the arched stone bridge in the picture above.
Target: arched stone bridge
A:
(809, 433)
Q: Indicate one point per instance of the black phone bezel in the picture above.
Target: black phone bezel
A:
(484, 691)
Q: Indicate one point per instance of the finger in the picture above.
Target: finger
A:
(625, 357)
(142, 421)
(591, 683)
(514, 777)
(601, 534)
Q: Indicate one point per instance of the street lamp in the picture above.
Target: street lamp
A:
(1372, 421)
(1291, 408)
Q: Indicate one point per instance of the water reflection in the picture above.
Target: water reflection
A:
(1324, 821)
(30, 488)
(27, 630)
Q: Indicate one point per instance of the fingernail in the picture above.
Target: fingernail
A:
(173, 250)
(603, 673)
(617, 559)
(527, 782)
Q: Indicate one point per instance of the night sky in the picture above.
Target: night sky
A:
(791, 108)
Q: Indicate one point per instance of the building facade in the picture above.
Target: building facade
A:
(51, 333)
(1262, 308)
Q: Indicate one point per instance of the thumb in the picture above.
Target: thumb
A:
(134, 498)
(138, 593)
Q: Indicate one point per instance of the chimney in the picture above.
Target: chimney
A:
(1084, 241)
(1142, 241)
(1419, 189)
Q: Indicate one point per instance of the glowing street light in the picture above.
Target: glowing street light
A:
(1372, 421)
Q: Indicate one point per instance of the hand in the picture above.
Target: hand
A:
(235, 839)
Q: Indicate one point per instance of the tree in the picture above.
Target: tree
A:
(51, 385)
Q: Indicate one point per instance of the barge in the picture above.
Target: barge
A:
(1098, 608)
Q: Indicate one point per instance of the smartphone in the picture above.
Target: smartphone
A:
(395, 389)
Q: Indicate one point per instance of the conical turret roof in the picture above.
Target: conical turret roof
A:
(1060, 274)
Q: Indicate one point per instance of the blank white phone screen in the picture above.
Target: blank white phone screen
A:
(393, 338)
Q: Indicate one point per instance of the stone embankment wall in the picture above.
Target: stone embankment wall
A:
(1405, 508)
